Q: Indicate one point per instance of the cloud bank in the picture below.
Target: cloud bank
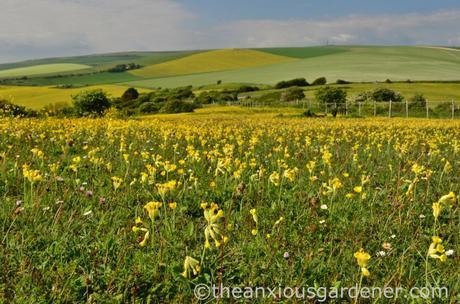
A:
(46, 28)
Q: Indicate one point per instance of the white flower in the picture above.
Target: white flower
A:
(393, 236)
(322, 221)
(381, 253)
(324, 207)
(88, 213)
(422, 216)
(449, 252)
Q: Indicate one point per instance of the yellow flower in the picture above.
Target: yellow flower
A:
(254, 214)
(448, 199)
(349, 195)
(254, 232)
(365, 271)
(172, 205)
(274, 178)
(362, 258)
(117, 182)
(437, 208)
(191, 265)
(436, 250)
(358, 189)
(152, 209)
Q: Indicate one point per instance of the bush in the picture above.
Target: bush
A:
(177, 106)
(341, 81)
(418, 100)
(331, 95)
(320, 81)
(8, 109)
(130, 94)
(62, 109)
(291, 94)
(297, 82)
(91, 102)
(149, 108)
(246, 88)
(384, 94)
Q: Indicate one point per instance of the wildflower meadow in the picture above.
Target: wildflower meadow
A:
(144, 210)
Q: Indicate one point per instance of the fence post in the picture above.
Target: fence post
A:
(453, 109)
(389, 109)
(359, 108)
(375, 108)
(346, 108)
(326, 107)
(407, 109)
(427, 109)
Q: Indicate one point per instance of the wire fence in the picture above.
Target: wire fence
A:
(429, 109)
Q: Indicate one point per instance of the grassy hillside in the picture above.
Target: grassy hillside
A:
(305, 52)
(356, 64)
(219, 60)
(38, 97)
(43, 69)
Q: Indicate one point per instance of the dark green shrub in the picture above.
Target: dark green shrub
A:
(177, 106)
(291, 94)
(384, 94)
(149, 108)
(320, 81)
(130, 94)
(94, 102)
(297, 82)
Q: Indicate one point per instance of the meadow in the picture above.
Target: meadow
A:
(37, 97)
(144, 210)
(42, 69)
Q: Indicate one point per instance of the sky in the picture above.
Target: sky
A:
(53, 28)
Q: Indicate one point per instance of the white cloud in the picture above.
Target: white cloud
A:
(434, 28)
(63, 27)
(44, 28)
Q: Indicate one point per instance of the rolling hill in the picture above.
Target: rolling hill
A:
(359, 64)
(43, 69)
(212, 61)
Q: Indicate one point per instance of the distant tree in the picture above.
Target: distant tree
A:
(418, 100)
(219, 82)
(384, 94)
(177, 106)
(331, 95)
(246, 88)
(388, 81)
(130, 94)
(297, 82)
(91, 102)
(341, 81)
(319, 81)
(294, 93)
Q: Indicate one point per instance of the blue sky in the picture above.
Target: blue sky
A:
(48, 28)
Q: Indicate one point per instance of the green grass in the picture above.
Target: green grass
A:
(78, 80)
(439, 92)
(305, 52)
(43, 69)
(357, 64)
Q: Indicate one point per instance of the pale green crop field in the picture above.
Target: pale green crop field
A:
(359, 64)
(43, 69)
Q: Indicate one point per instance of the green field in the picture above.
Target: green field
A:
(38, 97)
(218, 60)
(355, 64)
(43, 69)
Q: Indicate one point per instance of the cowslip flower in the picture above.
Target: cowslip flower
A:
(436, 249)
(213, 214)
(448, 199)
(362, 258)
(153, 209)
(191, 265)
